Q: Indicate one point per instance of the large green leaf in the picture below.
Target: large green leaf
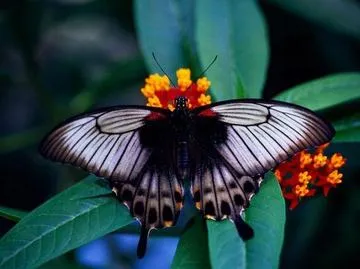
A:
(192, 249)
(11, 213)
(70, 219)
(164, 28)
(324, 92)
(348, 129)
(236, 32)
(266, 215)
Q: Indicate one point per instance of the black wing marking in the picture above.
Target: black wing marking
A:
(108, 142)
(155, 201)
(220, 192)
(256, 135)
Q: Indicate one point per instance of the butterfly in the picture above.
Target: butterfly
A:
(224, 149)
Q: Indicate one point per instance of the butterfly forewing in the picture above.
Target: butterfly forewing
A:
(259, 135)
(106, 143)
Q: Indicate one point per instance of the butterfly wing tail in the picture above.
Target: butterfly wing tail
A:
(244, 230)
(141, 248)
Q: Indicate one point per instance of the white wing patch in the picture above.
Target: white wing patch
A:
(242, 114)
(106, 144)
(121, 121)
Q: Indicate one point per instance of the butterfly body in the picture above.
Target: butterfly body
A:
(223, 149)
(181, 123)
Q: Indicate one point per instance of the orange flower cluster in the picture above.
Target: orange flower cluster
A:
(160, 93)
(306, 173)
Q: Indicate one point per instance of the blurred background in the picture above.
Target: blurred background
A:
(61, 57)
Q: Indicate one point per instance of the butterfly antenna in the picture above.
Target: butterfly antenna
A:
(203, 72)
(208, 67)
(162, 70)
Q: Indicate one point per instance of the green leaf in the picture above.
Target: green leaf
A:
(266, 215)
(324, 92)
(192, 251)
(236, 32)
(162, 29)
(12, 214)
(302, 225)
(72, 218)
(347, 129)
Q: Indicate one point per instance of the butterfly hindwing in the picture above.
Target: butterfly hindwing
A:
(155, 200)
(219, 192)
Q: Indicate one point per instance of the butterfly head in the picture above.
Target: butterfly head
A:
(181, 103)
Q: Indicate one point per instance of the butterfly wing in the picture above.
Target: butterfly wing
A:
(258, 135)
(236, 142)
(107, 142)
(132, 147)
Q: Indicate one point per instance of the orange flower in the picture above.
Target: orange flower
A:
(337, 161)
(319, 160)
(305, 159)
(306, 173)
(304, 177)
(160, 93)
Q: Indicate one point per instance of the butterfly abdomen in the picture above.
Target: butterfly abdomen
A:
(181, 126)
(182, 159)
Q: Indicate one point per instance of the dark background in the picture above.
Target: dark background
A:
(53, 52)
